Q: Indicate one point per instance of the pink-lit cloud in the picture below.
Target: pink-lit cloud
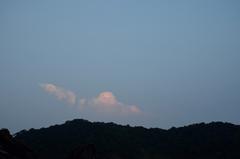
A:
(106, 102)
(60, 93)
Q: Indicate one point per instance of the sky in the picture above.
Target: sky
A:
(154, 63)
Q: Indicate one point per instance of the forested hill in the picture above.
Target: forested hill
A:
(214, 140)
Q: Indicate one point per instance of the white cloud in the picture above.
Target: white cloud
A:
(60, 93)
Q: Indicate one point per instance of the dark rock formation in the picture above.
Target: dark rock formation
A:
(11, 148)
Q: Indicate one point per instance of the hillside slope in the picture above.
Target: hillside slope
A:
(215, 140)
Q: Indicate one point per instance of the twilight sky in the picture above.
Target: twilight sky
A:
(155, 63)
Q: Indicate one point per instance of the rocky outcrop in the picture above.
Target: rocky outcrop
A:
(11, 148)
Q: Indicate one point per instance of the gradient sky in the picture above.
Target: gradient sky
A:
(151, 63)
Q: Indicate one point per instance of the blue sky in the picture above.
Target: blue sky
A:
(176, 61)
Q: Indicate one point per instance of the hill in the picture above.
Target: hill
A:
(214, 140)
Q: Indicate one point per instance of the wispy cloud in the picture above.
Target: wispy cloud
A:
(60, 93)
(105, 102)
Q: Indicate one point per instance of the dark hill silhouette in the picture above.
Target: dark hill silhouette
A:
(11, 148)
(216, 140)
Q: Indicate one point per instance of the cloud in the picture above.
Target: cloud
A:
(106, 102)
(60, 93)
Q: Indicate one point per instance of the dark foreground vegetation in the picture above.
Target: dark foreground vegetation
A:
(216, 140)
